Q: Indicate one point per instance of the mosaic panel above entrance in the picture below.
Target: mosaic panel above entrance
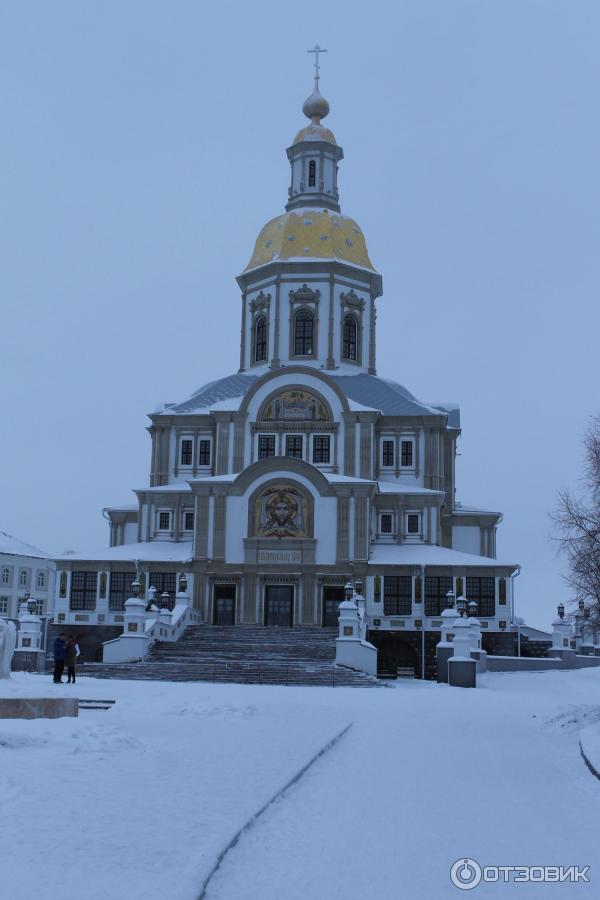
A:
(281, 511)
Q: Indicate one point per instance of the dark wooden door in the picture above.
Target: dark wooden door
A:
(332, 597)
(224, 604)
(279, 604)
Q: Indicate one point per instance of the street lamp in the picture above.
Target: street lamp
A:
(164, 599)
(348, 590)
(358, 586)
(183, 584)
(450, 598)
(561, 610)
(472, 607)
(135, 588)
(461, 605)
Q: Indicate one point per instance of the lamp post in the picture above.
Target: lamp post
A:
(461, 605)
(164, 599)
(450, 599)
(561, 610)
(348, 590)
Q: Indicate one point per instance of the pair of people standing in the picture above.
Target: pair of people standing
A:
(66, 650)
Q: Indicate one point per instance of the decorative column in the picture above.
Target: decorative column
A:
(462, 670)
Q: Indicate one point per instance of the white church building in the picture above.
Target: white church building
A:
(272, 487)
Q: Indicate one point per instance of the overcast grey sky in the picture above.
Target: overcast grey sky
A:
(143, 147)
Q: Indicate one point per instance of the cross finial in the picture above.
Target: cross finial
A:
(316, 50)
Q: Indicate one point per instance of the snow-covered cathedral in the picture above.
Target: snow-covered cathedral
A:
(273, 487)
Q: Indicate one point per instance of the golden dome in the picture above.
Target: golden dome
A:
(315, 132)
(311, 233)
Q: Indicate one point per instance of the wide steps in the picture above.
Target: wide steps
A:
(242, 655)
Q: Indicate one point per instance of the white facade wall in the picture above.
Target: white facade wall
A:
(466, 538)
(325, 520)
(14, 590)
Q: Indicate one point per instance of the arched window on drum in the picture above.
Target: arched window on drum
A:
(350, 338)
(260, 339)
(304, 333)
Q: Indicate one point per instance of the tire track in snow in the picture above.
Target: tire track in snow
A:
(254, 818)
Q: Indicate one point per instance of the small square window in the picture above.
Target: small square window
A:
(406, 454)
(188, 521)
(266, 446)
(293, 445)
(204, 452)
(387, 453)
(321, 452)
(186, 453)
(413, 523)
(386, 523)
(164, 521)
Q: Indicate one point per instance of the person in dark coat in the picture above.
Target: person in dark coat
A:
(60, 652)
(71, 654)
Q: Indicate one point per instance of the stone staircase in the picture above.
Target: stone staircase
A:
(243, 655)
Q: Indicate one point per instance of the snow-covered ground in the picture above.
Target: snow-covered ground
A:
(137, 803)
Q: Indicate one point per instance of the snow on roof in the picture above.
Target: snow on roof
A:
(166, 488)
(462, 509)
(430, 555)
(399, 487)
(123, 507)
(150, 551)
(452, 410)
(364, 392)
(12, 546)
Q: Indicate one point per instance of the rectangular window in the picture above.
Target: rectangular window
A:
(164, 582)
(188, 521)
(164, 521)
(3, 606)
(38, 609)
(41, 580)
(266, 446)
(387, 453)
(120, 589)
(413, 523)
(186, 453)
(483, 591)
(397, 595)
(321, 448)
(406, 454)
(386, 523)
(436, 589)
(83, 590)
(204, 452)
(293, 445)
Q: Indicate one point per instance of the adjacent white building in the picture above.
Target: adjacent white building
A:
(24, 570)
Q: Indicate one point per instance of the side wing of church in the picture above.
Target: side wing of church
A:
(272, 487)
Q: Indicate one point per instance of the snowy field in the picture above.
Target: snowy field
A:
(137, 803)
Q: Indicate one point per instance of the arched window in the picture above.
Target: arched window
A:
(23, 577)
(350, 338)
(303, 333)
(260, 339)
(41, 579)
(312, 173)
(5, 576)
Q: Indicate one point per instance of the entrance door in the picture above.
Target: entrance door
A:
(224, 604)
(332, 597)
(279, 604)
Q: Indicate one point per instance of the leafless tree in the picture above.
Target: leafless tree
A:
(577, 527)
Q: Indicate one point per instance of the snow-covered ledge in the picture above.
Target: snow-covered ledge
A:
(142, 629)
(351, 649)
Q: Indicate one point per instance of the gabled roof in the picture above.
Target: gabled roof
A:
(14, 547)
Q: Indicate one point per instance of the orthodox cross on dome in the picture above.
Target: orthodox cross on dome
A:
(316, 50)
